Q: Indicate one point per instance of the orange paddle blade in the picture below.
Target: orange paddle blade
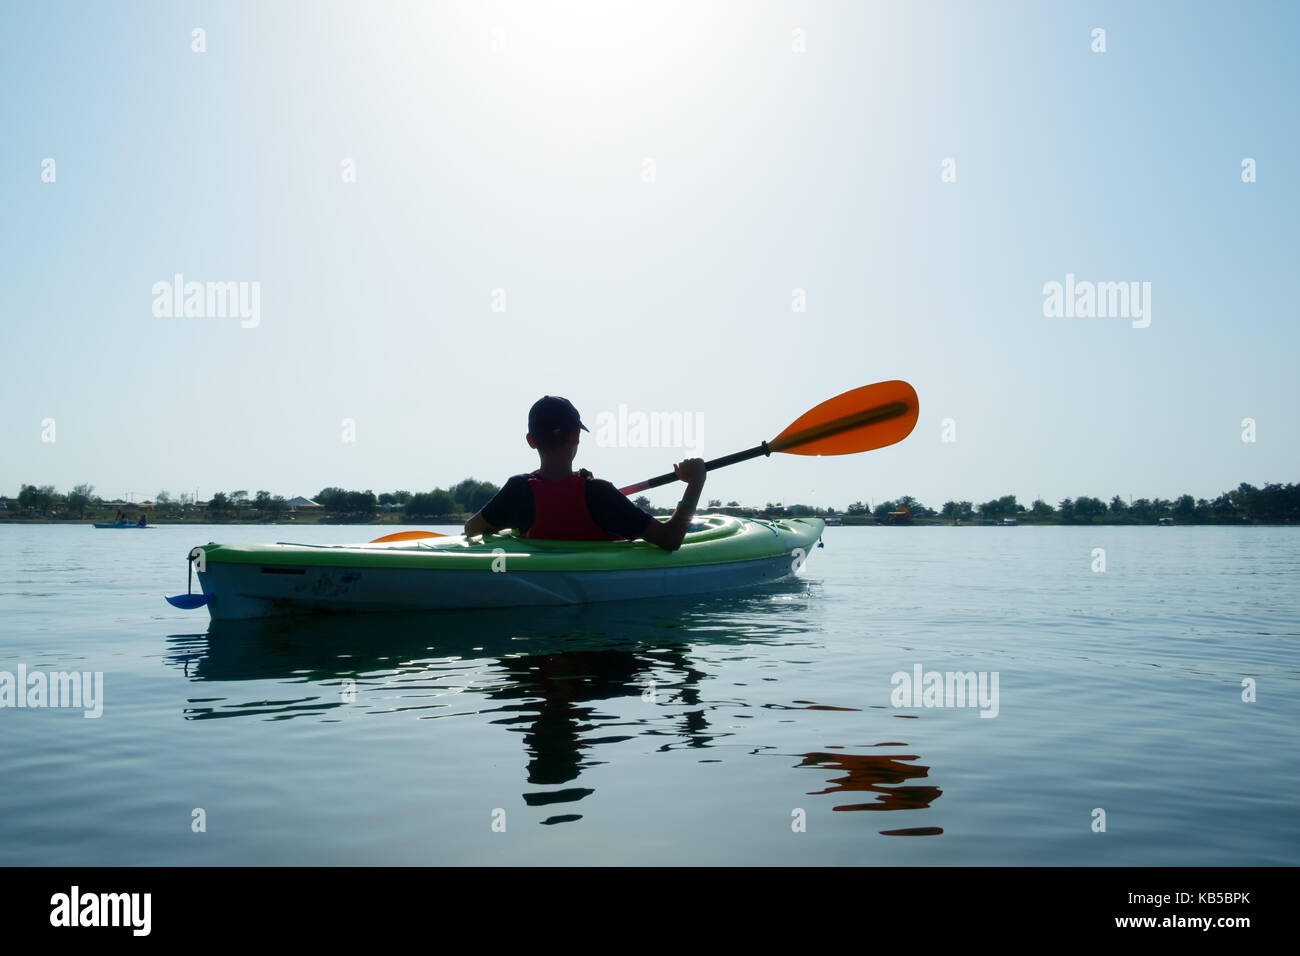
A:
(408, 536)
(872, 416)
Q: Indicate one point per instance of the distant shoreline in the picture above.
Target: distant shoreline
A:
(846, 521)
(1273, 504)
(393, 519)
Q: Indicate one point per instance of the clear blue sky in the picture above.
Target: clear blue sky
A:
(502, 146)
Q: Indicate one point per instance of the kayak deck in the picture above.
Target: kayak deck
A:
(719, 553)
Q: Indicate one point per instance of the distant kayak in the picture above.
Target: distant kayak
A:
(719, 553)
(121, 524)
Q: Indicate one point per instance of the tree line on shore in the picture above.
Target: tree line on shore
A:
(1273, 503)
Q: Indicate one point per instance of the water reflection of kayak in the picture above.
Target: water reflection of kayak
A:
(324, 647)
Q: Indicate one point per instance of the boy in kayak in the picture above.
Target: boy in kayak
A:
(554, 502)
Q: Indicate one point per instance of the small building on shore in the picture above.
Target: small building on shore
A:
(902, 516)
(301, 504)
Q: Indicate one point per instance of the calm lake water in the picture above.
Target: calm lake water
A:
(755, 728)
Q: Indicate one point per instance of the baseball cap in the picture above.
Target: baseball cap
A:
(551, 414)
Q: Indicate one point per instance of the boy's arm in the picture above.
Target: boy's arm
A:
(478, 525)
(511, 507)
(668, 535)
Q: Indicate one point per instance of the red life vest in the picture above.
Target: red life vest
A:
(560, 510)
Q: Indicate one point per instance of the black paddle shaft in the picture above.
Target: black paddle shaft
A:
(722, 462)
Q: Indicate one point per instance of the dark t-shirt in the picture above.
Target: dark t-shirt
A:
(512, 507)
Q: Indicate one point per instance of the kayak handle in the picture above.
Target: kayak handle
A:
(722, 462)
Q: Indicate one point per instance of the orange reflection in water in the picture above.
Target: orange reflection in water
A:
(878, 774)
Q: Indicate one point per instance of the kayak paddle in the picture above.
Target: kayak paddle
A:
(861, 419)
(408, 536)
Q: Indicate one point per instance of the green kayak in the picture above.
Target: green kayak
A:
(719, 553)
